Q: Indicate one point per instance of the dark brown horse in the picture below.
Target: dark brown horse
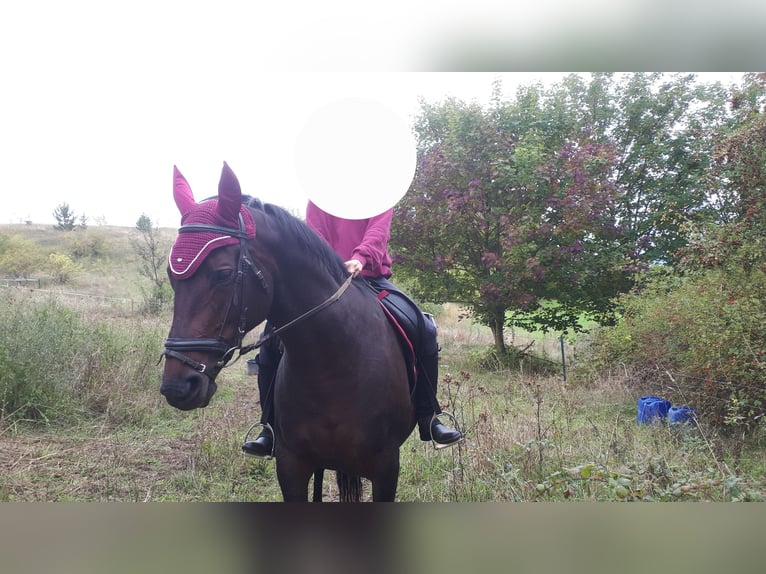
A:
(342, 399)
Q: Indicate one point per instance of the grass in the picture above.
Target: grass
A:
(530, 437)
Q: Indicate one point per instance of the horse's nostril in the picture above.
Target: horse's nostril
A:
(193, 381)
(181, 389)
(174, 392)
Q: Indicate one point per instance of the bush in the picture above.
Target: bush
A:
(151, 250)
(20, 257)
(157, 299)
(87, 244)
(61, 267)
(700, 340)
(55, 366)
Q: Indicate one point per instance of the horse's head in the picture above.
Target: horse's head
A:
(220, 291)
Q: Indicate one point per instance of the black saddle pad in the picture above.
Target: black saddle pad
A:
(404, 311)
(408, 321)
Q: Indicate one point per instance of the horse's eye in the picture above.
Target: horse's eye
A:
(222, 276)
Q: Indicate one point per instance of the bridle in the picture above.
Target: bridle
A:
(176, 346)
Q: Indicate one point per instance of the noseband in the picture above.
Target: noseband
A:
(176, 346)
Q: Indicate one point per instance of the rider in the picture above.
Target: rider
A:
(363, 245)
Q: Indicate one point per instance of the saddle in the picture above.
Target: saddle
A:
(408, 321)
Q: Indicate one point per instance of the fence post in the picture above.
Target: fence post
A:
(563, 359)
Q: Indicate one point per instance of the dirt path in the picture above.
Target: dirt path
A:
(97, 463)
(55, 467)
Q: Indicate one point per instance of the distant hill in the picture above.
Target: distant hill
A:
(106, 261)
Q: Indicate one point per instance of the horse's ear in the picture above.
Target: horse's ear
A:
(182, 193)
(229, 194)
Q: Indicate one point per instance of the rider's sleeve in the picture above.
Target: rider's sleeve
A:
(372, 249)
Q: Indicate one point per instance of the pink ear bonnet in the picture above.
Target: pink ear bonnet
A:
(190, 249)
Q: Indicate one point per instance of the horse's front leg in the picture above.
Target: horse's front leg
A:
(293, 476)
(386, 478)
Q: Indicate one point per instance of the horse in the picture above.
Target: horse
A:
(342, 394)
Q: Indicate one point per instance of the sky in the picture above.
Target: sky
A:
(99, 100)
(109, 152)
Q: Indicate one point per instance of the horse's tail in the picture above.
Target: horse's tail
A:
(318, 477)
(349, 487)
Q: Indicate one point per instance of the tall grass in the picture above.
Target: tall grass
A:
(529, 437)
(532, 436)
(57, 365)
(81, 417)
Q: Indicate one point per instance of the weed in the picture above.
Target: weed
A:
(82, 418)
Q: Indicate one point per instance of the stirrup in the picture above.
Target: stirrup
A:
(273, 438)
(438, 445)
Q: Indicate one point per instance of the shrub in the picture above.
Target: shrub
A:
(151, 250)
(157, 298)
(61, 267)
(55, 366)
(87, 244)
(700, 340)
(514, 359)
(20, 257)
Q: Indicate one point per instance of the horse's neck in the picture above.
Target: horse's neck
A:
(302, 282)
(301, 288)
(328, 329)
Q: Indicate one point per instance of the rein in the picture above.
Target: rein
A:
(176, 346)
(326, 303)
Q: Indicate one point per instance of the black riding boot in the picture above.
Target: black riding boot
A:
(268, 361)
(427, 406)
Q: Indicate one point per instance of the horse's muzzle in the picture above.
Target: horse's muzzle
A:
(192, 392)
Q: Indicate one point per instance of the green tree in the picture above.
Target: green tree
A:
(558, 195)
(66, 218)
(741, 157)
(663, 129)
(703, 321)
(508, 209)
(152, 250)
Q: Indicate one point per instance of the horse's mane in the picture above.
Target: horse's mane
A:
(306, 240)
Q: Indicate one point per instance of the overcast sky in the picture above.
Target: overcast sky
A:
(108, 148)
(98, 102)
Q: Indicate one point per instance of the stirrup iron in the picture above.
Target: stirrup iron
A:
(439, 446)
(273, 438)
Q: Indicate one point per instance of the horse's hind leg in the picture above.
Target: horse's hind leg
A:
(293, 477)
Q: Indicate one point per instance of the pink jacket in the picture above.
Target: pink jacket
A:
(362, 239)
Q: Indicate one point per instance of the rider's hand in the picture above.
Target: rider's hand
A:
(354, 267)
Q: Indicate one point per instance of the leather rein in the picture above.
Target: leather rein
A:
(176, 346)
